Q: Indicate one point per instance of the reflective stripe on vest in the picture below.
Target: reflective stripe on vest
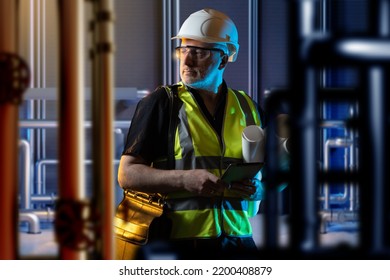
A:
(198, 146)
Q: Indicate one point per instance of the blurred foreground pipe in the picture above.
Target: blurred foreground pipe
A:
(72, 212)
(8, 136)
(103, 119)
(304, 112)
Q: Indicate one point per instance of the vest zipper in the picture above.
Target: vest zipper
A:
(222, 145)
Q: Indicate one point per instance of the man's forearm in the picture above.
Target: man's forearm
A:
(140, 177)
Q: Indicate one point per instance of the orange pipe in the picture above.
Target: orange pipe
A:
(103, 117)
(8, 181)
(8, 144)
(71, 115)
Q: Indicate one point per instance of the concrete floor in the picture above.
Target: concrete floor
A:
(336, 234)
(43, 245)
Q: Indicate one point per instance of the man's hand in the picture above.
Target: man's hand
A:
(202, 182)
(248, 189)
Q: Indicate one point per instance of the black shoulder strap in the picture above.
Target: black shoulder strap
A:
(245, 106)
(173, 116)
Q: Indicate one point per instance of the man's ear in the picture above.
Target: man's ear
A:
(224, 61)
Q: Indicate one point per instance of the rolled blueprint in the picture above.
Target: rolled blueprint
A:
(253, 142)
(283, 148)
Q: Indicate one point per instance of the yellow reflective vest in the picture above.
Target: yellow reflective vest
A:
(198, 146)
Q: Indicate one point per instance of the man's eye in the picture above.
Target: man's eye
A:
(200, 53)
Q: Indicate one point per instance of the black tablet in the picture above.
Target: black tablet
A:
(240, 171)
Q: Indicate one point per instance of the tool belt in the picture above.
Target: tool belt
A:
(132, 221)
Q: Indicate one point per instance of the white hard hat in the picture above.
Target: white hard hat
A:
(211, 26)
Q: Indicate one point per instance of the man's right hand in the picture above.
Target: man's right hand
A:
(202, 182)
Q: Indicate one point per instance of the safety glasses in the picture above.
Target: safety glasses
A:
(197, 53)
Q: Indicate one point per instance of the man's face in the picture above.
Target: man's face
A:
(196, 71)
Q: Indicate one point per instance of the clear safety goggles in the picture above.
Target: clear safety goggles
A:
(196, 52)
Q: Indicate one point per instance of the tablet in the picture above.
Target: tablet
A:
(240, 171)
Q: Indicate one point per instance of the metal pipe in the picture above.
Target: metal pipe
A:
(364, 49)
(377, 126)
(167, 48)
(71, 117)
(43, 135)
(171, 23)
(175, 29)
(42, 215)
(271, 194)
(41, 189)
(38, 169)
(43, 199)
(25, 148)
(337, 199)
(35, 217)
(31, 133)
(374, 207)
(304, 230)
(253, 51)
(331, 143)
(121, 93)
(336, 217)
(353, 188)
(34, 124)
(26, 31)
(39, 70)
(8, 141)
(332, 124)
(32, 220)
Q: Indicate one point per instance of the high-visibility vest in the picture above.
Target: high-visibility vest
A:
(198, 146)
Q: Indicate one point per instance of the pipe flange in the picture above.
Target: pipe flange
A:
(14, 78)
(75, 224)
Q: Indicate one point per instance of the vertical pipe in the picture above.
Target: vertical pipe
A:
(372, 162)
(382, 191)
(25, 201)
(352, 161)
(25, 47)
(175, 30)
(304, 145)
(326, 168)
(43, 80)
(25, 31)
(373, 135)
(377, 131)
(324, 26)
(37, 42)
(309, 164)
(253, 57)
(171, 23)
(103, 118)
(271, 194)
(71, 114)
(8, 143)
(167, 49)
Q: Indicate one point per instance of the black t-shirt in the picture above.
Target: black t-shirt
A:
(148, 132)
(149, 127)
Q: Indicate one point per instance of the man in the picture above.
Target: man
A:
(208, 218)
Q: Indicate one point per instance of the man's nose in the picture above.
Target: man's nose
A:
(188, 58)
